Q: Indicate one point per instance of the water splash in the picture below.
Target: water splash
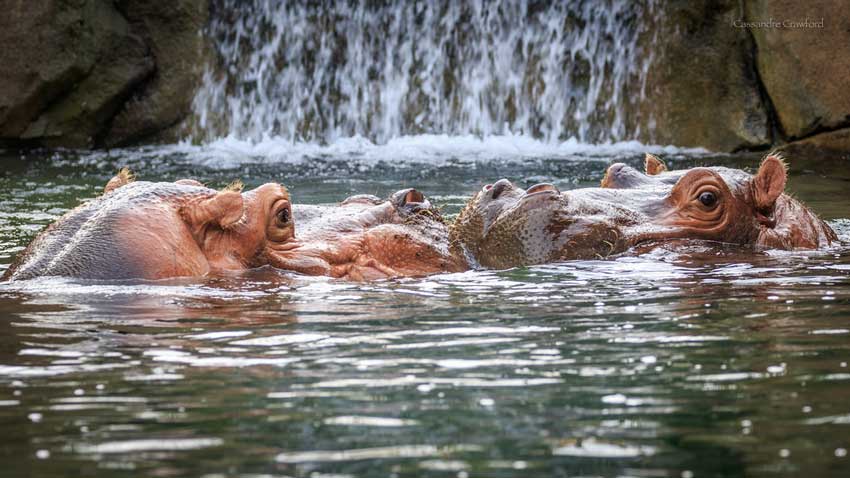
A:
(381, 71)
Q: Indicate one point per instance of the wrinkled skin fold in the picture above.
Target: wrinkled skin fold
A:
(147, 230)
(505, 226)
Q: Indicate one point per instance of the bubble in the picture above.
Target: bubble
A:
(776, 368)
(425, 387)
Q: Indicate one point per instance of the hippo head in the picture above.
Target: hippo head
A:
(186, 229)
(237, 230)
(751, 209)
(366, 237)
(505, 226)
(362, 238)
(232, 229)
(156, 230)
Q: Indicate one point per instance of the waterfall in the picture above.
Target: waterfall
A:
(324, 71)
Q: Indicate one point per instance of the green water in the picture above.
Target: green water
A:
(707, 363)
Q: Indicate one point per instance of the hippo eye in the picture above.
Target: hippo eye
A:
(283, 216)
(708, 199)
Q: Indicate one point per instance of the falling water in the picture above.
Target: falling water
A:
(382, 70)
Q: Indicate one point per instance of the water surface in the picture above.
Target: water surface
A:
(699, 363)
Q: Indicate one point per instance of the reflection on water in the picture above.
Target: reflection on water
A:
(694, 363)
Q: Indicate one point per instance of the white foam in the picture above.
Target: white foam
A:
(597, 449)
(428, 149)
(159, 444)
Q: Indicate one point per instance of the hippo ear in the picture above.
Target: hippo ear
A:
(653, 165)
(769, 182)
(124, 177)
(224, 210)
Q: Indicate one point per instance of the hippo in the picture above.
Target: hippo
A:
(367, 238)
(159, 230)
(505, 226)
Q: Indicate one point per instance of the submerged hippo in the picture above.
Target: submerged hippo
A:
(506, 226)
(160, 230)
(366, 237)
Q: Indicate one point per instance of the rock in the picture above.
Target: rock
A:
(53, 49)
(804, 69)
(70, 66)
(172, 29)
(95, 73)
(826, 153)
(78, 117)
(702, 89)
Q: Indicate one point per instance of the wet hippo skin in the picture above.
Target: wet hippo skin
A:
(505, 226)
(147, 230)
(365, 237)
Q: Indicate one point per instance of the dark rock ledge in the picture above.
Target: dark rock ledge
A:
(91, 73)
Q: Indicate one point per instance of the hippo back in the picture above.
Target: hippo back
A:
(83, 243)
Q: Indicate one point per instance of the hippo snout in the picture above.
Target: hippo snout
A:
(362, 199)
(620, 176)
(498, 188)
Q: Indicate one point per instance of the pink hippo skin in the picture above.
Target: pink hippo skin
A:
(146, 230)
(365, 238)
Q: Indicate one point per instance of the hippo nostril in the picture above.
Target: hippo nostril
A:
(409, 197)
(413, 196)
(499, 187)
(538, 188)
